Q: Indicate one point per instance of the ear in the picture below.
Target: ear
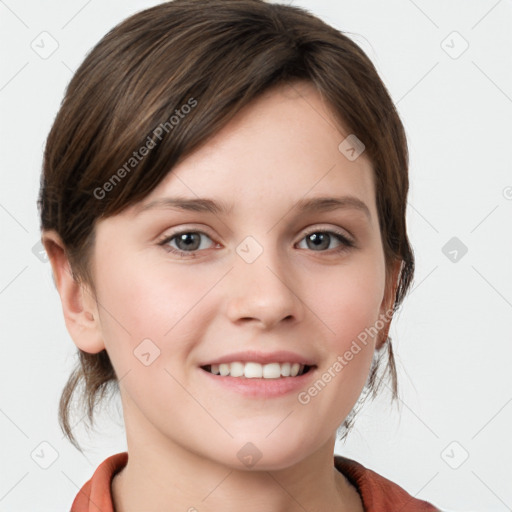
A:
(386, 309)
(78, 302)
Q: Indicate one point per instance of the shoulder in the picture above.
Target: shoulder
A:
(96, 492)
(379, 494)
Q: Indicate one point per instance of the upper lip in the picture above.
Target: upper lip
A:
(280, 356)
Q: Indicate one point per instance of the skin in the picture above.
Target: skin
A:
(183, 435)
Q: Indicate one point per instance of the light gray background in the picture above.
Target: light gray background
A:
(452, 336)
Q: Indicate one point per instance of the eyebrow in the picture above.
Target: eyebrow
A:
(313, 205)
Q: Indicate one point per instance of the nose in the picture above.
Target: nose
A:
(263, 291)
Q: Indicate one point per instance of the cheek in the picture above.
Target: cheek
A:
(350, 300)
(141, 300)
(349, 306)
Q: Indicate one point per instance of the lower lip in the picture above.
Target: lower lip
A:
(259, 387)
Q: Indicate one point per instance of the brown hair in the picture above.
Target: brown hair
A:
(220, 54)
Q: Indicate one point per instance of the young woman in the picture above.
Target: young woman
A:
(223, 204)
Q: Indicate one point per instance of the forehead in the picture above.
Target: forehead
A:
(282, 148)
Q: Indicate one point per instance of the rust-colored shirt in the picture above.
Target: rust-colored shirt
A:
(378, 494)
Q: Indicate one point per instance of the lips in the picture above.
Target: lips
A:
(256, 380)
(262, 358)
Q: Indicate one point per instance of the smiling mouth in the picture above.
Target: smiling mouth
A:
(251, 370)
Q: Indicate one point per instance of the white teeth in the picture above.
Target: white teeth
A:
(237, 369)
(224, 369)
(253, 371)
(272, 371)
(256, 370)
(294, 369)
(285, 369)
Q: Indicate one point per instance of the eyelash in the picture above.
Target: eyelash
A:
(346, 243)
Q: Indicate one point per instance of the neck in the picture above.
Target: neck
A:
(165, 474)
(181, 480)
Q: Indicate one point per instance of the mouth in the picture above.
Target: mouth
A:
(253, 370)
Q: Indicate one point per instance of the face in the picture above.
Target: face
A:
(257, 279)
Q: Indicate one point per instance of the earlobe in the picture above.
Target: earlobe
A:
(78, 303)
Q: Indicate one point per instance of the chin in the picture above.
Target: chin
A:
(272, 453)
